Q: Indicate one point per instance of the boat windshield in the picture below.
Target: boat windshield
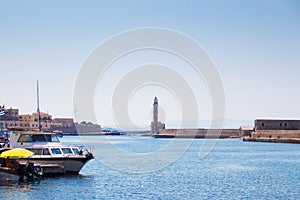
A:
(52, 138)
(37, 138)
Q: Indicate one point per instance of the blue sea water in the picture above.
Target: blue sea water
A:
(232, 170)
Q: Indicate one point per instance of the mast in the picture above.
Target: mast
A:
(38, 105)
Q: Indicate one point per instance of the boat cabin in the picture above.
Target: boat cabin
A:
(42, 143)
(26, 139)
(56, 151)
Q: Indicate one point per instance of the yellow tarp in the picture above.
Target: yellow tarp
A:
(16, 153)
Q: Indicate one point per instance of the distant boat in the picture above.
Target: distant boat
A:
(110, 132)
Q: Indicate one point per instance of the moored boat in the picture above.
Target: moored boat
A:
(11, 169)
(52, 156)
(48, 153)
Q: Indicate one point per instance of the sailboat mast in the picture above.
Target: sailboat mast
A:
(38, 104)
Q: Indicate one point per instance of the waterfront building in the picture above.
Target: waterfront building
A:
(18, 124)
(246, 130)
(44, 117)
(10, 114)
(66, 125)
(26, 117)
(279, 124)
(275, 130)
(11, 119)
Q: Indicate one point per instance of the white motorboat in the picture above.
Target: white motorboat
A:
(49, 154)
(52, 156)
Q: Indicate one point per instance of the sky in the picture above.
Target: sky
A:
(255, 46)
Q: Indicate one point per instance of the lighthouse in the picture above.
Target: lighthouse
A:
(155, 124)
(155, 113)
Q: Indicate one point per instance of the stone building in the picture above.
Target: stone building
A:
(279, 130)
(13, 120)
(22, 124)
(88, 127)
(44, 117)
(26, 117)
(66, 125)
(246, 130)
(268, 124)
(10, 114)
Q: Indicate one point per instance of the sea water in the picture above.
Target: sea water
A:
(233, 169)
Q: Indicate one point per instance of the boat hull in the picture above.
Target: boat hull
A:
(19, 174)
(59, 165)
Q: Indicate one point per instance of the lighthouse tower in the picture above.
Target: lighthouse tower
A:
(155, 115)
(155, 124)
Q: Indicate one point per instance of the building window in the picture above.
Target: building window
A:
(285, 124)
(280, 125)
(262, 124)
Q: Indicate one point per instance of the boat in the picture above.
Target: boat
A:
(20, 172)
(12, 170)
(53, 157)
(48, 153)
(110, 132)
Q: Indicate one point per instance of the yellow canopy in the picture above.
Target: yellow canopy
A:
(16, 153)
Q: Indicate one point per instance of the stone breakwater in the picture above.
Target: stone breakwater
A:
(274, 140)
(281, 136)
(199, 133)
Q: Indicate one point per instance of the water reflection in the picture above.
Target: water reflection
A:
(16, 189)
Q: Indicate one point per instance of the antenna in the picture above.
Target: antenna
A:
(38, 105)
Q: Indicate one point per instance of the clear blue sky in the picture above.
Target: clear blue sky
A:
(255, 45)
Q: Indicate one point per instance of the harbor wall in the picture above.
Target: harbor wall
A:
(200, 133)
(282, 136)
(267, 130)
(276, 134)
